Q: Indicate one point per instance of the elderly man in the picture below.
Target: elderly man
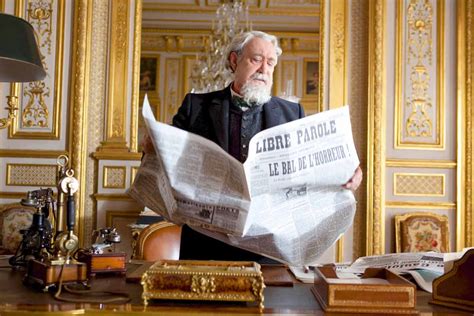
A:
(231, 117)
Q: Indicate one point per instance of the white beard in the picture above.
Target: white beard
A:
(255, 94)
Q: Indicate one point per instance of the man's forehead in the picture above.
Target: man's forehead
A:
(259, 46)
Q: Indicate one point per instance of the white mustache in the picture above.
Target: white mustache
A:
(259, 76)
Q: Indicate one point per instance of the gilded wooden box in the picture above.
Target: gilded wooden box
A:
(203, 280)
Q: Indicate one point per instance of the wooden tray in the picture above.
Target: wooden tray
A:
(378, 291)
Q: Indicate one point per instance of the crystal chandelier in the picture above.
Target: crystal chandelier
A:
(209, 72)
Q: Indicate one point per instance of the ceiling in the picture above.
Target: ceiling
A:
(265, 15)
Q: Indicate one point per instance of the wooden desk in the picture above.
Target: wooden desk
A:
(17, 299)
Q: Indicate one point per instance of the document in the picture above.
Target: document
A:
(285, 202)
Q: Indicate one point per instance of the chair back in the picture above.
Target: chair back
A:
(421, 231)
(159, 241)
(13, 218)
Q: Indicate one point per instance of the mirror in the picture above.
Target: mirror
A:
(176, 36)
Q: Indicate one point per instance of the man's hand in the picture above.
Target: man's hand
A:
(147, 144)
(355, 181)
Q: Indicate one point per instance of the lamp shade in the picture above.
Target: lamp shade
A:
(19, 55)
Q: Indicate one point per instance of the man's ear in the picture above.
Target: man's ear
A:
(233, 61)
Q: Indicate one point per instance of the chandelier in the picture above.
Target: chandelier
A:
(209, 72)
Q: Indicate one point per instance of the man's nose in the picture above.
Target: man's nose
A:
(263, 68)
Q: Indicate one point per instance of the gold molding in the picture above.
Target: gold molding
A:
(101, 155)
(2, 5)
(322, 41)
(278, 34)
(137, 37)
(421, 163)
(400, 105)
(376, 129)
(469, 218)
(133, 174)
(421, 205)
(79, 102)
(465, 109)
(338, 50)
(113, 197)
(31, 153)
(12, 195)
(286, 11)
(115, 135)
(107, 182)
(56, 82)
(338, 44)
(396, 179)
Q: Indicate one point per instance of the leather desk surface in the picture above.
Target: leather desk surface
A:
(17, 299)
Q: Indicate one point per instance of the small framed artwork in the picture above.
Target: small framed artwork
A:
(149, 69)
(311, 78)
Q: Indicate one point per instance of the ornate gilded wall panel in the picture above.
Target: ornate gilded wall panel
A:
(189, 73)
(40, 101)
(418, 184)
(114, 177)
(337, 58)
(115, 138)
(288, 77)
(35, 175)
(420, 75)
(172, 95)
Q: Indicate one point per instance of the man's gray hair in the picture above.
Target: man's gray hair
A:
(239, 41)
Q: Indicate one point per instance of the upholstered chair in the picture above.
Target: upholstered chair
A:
(421, 231)
(13, 218)
(159, 241)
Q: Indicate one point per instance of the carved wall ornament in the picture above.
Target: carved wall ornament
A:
(419, 97)
(35, 113)
(339, 42)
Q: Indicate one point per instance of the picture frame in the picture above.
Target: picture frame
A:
(311, 78)
(149, 70)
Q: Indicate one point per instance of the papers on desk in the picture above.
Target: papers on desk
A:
(306, 274)
(423, 267)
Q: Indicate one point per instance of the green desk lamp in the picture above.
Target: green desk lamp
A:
(20, 59)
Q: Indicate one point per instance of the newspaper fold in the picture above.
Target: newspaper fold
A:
(285, 202)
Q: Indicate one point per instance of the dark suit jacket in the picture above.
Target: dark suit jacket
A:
(207, 115)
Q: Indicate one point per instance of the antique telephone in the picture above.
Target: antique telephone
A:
(37, 239)
(49, 243)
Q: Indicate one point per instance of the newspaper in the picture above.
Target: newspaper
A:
(285, 202)
(422, 267)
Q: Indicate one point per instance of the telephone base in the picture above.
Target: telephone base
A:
(46, 275)
(113, 262)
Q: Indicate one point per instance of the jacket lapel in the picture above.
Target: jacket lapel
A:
(219, 114)
(272, 114)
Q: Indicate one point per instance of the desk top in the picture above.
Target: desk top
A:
(18, 299)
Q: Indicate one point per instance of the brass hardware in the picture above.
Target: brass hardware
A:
(12, 108)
